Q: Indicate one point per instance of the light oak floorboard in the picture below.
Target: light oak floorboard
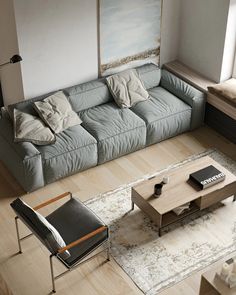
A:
(28, 273)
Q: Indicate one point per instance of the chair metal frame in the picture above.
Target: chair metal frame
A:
(67, 247)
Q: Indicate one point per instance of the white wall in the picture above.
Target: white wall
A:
(10, 75)
(202, 35)
(230, 43)
(58, 43)
(170, 30)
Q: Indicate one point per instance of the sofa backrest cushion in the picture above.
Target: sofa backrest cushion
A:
(150, 74)
(88, 95)
(91, 94)
(94, 93)
(26, 106)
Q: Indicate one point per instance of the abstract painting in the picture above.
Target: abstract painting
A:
(130, 32)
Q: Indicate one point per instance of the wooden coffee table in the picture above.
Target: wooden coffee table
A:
(179, 192)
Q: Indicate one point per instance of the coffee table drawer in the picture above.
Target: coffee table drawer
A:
(217, 196)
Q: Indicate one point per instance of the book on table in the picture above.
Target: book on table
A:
(207, 177)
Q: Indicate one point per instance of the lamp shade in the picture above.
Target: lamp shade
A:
(15, 58)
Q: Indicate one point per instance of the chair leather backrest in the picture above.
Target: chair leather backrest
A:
(29, 217)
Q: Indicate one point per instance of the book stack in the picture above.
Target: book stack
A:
(181, 209)
(207, 177)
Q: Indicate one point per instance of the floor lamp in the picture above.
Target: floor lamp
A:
(14, 59)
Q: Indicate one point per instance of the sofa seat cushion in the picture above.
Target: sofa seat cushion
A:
(118, 131)
(165, 115)
(74, 150)
(74, 220)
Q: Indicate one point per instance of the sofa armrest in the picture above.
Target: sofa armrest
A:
(190, 95)
(22, 159)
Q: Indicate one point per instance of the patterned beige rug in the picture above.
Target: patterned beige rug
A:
(155, 263)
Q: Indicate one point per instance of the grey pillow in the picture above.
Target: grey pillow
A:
(56, 112)
(41, 226)
(127, 88)
(30, 128)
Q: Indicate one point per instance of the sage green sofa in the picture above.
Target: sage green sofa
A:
(107, 131)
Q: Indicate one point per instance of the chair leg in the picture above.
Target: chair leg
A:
(52, 274)
(18, 234)
(108, 250)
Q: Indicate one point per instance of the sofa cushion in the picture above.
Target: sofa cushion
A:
(165, 115)
(56, 112)
(95, 93)
(75, 220)
(127, 88)
(74, 150)
(30, 128)
(150, 74)
(27, 105)
(118, 131)
(88, 95)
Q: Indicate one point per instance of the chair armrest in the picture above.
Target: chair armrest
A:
(44, 204)
(84, 238)
(189, 94)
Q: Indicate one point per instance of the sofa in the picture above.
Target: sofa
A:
(107, 131)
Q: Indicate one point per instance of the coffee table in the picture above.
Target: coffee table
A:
(179, 192)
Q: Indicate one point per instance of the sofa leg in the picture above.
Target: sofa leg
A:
(52, 274)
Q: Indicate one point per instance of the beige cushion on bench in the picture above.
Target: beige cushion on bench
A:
(227, 90)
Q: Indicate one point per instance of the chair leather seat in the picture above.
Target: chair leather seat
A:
(73, 220)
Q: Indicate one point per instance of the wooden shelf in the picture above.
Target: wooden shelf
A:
(189, 75)
(171, 217)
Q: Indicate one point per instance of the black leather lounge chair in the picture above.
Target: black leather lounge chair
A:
(80, 230)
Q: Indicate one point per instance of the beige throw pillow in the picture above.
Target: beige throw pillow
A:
(56, 112)
(127, 89)
(226, 89)
(30, 128)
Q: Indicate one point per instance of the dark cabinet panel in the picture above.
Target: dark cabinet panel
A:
(222, 123)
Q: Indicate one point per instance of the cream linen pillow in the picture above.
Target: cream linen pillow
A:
(30, 128)
(127, 89)
(56, 112)
(226, 89)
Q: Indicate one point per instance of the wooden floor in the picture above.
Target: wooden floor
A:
(28, 273)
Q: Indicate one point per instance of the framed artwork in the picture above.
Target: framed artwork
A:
(129, 34)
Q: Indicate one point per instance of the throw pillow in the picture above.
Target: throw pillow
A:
(127, 88)
(226, 89)
(41, 226)
(30, 128)
(56, 112)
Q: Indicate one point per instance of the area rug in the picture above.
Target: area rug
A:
(155, 263)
